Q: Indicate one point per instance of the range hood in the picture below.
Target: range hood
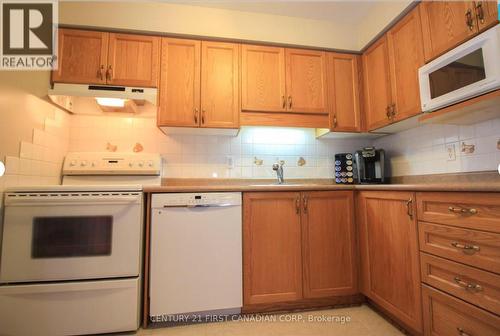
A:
(96, 99)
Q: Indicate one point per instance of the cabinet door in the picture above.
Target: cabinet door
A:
(377, 84)
(262, 79)
(389, 254)
(220, 96)
(328, 244)
(82, 57)
(179, 94)
(406, 56)
(444, 25)
(133, 60)
(272, 261)
(306, 81)
(343, 91)
(486, 13)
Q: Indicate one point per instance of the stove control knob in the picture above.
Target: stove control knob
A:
(131, 164)
(83, 164)
(140, 163)
(150, 163)
(92, 164)
(72, 163)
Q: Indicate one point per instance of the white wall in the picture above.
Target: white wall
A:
(204, 21)
(423, 150)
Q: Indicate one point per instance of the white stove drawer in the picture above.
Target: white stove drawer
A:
(71, 308)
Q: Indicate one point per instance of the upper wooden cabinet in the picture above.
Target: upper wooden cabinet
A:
(179, 94)
(390, 68)
(377, 84)
(306, 81)
(89, 57)
(446, 24)
(82, 57)
(328, 244)
(343, 78)
(283, 80)
(220, 103)
(389, 254)
(133, 60)
(199, 84)
(405, 58)
(486, 13)
(263, 79)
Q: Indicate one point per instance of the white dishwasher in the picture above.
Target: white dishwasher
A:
(196, 255)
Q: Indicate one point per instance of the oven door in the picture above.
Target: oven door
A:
(70, 236)
(469, 70)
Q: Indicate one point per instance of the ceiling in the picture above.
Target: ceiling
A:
(351, 12)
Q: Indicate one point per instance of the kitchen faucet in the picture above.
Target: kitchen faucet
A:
(278, 167)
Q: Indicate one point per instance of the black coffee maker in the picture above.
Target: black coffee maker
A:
(370, 165)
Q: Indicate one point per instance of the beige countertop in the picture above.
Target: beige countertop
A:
(491, 184)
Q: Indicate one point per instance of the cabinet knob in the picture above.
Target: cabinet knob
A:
(283, 100)
(203, 116)
(290, 102)
(304, 200)
(109, 73)
(196, 116)
(334, 121)
(297, 205)
(100, 73)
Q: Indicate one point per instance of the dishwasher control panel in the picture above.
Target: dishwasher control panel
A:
(195, 199)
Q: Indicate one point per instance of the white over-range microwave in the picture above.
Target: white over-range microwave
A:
(469, 70)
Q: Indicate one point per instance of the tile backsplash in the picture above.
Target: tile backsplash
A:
(248, 155)
(437, 149)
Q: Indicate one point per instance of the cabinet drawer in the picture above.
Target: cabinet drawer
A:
(445, 315)
(479, 211)
(475, 248)
(470, 284)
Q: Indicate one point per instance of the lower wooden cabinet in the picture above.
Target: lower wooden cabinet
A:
(390, 271)
(272, 260)
(328, 244)
(298, 246)
(445, 315)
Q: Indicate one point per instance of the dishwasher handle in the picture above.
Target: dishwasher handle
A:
(192, 206)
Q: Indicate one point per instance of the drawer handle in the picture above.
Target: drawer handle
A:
(461, 332)
(466, 248)
(468, 285)
(471, 211)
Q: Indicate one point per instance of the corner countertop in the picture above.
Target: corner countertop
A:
(465, 182)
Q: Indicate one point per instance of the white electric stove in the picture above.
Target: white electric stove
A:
(71, 254)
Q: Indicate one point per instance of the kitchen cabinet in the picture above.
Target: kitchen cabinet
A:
(133, 60)
(406, 56)
(446, 24)
(390, 271)
(306, 81)
(220, 95)
(391, 73)
(263, 79)
(82, 57)
(179, 94)
(486, 13)
(199, 84)
(343, 78)
(89, 57)
(272, 259)
(377, 84)
(328, 244)
(298, 246)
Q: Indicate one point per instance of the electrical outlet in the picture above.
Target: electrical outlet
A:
(451, 151)
(229, 162)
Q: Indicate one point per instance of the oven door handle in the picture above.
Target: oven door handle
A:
(192, 206)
